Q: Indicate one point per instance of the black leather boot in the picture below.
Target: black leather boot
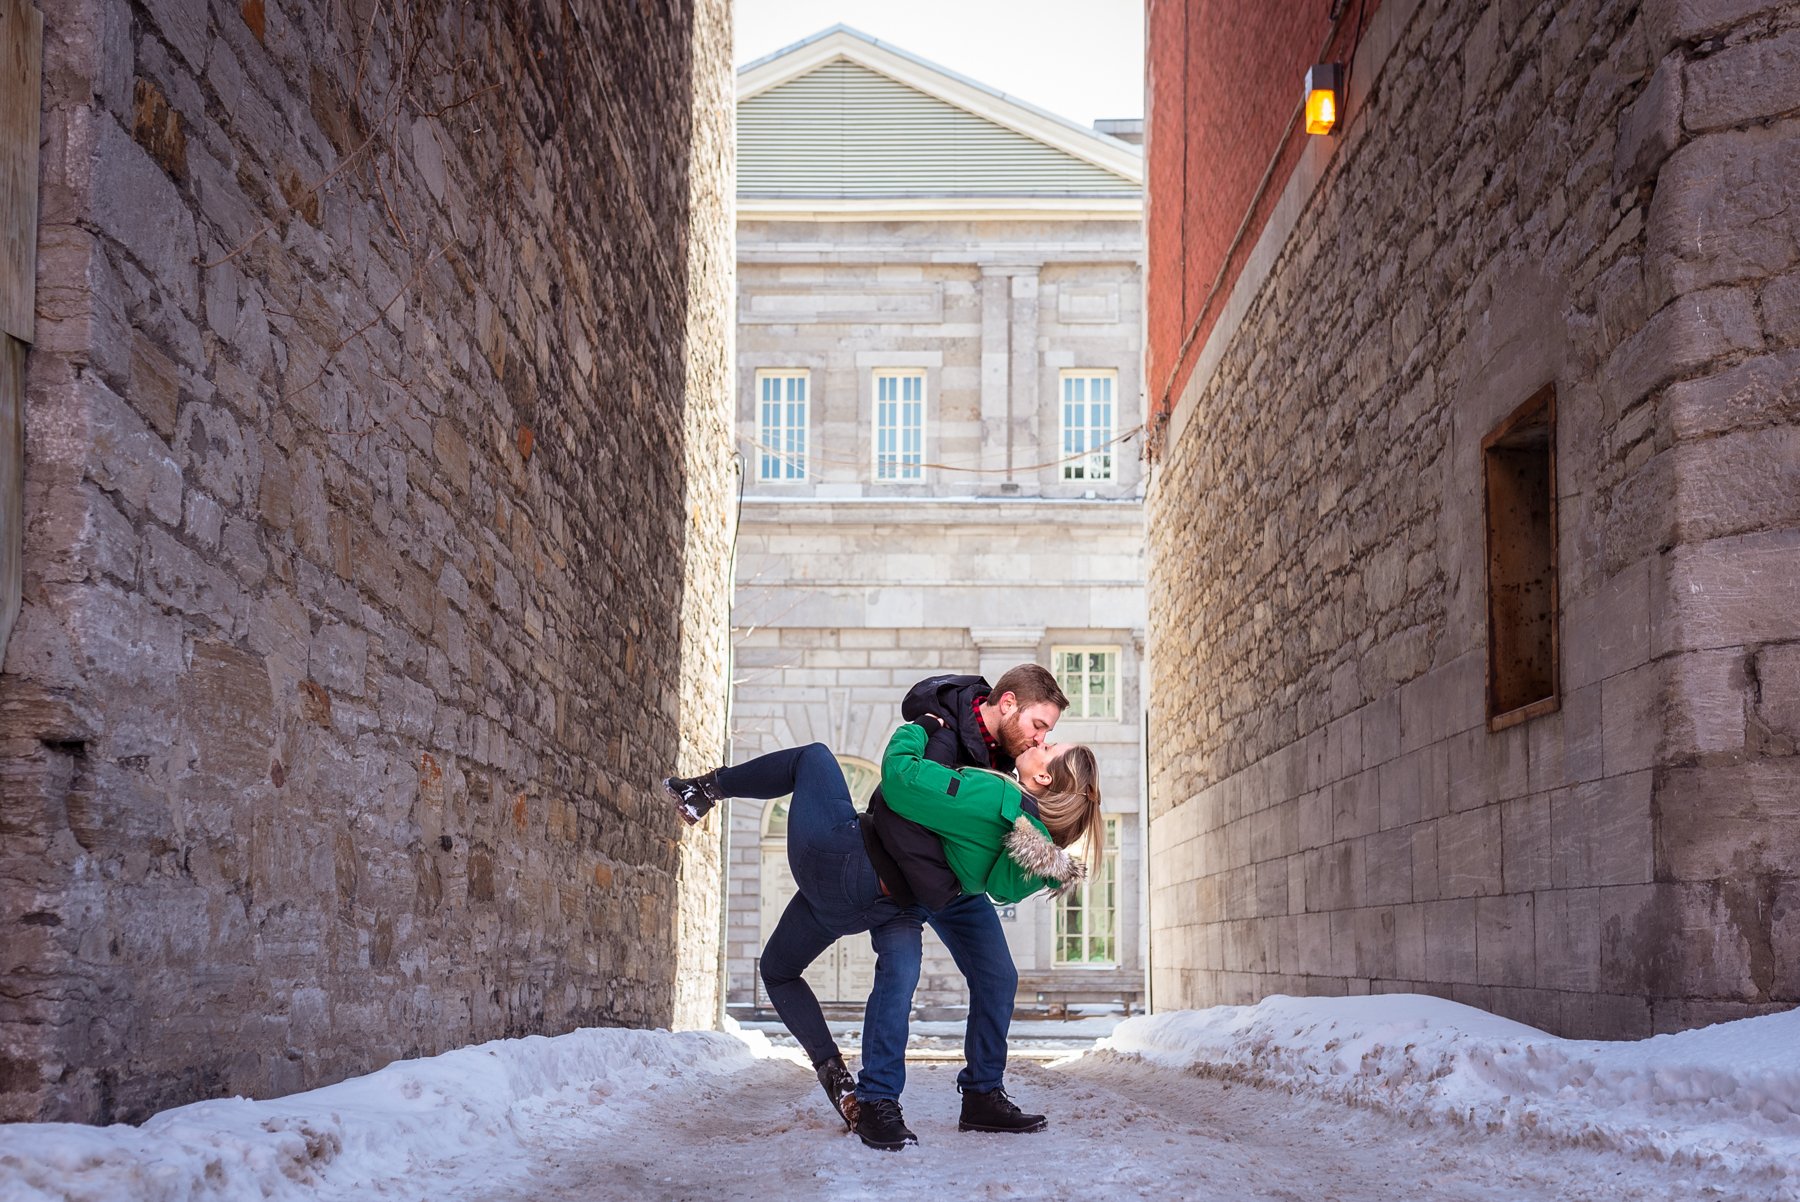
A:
(840, 1087)
(879, 1123)
(694, 796)
(994, 1111)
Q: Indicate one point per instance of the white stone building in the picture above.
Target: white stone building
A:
(938, 361)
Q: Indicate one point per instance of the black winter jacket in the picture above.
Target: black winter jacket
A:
(909, 858)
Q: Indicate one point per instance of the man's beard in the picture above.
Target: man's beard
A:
(1012, 736)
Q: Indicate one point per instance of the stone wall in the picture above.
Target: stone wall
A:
(1594, 196)
(375, 569)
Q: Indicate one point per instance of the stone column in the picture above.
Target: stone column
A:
(1022, 426)
(996, 333)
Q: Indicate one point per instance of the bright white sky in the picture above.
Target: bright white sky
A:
(1080, 59)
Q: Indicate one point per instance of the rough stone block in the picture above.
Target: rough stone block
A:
(1729, 592)
(1671, 21)
(1568, 938)
(1694, 329)
(1402, 795)
(1741, 84)
(1601, 832)
(1608, 630)
(135, 203)
(1753, 392)
(1469, 850)
(1733, 186)
(1707, 700)
(1425, 861)
(1450, 940)
(1777, 693)
(1505, 941)
(1388, 868)
(1633, 710)
(1356, 806)
(1739, 483)
(1650, 129)
(1525, 843)
(1728, 820)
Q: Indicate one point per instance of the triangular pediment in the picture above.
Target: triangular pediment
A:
(845, 117)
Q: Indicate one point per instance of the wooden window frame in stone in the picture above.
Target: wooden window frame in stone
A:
(790, 465)
(876, 427)
(1111, 650)
(1078, 899)
(1520, 454)
(1102, 439)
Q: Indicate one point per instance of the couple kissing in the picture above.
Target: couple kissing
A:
(975, 807)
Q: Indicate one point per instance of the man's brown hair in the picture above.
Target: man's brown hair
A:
(1031, 684)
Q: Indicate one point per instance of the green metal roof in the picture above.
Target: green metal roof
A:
(843, 131)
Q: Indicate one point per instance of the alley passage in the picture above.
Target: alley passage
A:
(1118, 1127)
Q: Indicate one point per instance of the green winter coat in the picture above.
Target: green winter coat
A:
(992, 844)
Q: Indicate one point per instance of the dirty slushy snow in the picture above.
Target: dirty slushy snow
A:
(1293, 1098)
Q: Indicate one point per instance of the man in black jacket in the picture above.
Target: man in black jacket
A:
(984, 727)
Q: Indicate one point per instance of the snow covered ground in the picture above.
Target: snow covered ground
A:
(1344, 1099)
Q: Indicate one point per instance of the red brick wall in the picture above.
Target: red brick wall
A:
(1224, 79)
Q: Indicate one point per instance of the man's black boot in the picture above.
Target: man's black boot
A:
(694, 796)
(992, 1110)
(840, 1087)
(879, 1124)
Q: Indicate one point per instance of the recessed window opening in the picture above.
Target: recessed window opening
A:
(1087, 424)
(781, 420)
(1519, 469)
(1089, 676)
(899, 425)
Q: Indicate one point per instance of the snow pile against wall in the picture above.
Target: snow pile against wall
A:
(1727, 1095)
(404, 1126)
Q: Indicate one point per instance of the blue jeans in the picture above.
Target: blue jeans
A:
(970, 929)
(839, 895)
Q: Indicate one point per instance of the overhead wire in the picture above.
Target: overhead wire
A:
(809, 459)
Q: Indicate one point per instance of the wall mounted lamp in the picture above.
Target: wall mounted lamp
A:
(1324, 97)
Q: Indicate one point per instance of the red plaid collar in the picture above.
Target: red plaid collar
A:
(992, 743)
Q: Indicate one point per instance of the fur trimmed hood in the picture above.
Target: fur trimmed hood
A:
(1033, 850)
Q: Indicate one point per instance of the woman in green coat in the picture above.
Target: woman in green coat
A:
(1002, 837)
(997, 840)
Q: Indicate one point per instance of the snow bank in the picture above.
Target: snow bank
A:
(1727, 1095)
(412, 1118)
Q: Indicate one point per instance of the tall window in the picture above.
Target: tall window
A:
(1090, 676)
(781, 424)
(1087, 916)
(1519, 469)
(1087, 424)
(899, 425)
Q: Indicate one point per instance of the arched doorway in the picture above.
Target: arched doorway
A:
(846, 972)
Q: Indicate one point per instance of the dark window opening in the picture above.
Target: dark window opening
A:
(1519, 466)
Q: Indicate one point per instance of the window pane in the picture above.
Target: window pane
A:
(1087, 416)
(899, 425)
(781, 425)
(1087, 917)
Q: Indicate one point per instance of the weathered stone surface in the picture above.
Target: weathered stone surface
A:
(331, 725)
(1691, 20)
(1651, 128)
(1721, 210)
(1742, 83)
(1318, 530)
